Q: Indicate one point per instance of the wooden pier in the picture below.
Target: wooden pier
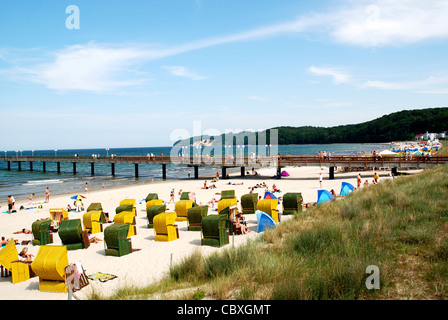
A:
(394, 162)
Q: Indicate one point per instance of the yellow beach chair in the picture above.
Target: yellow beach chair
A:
(93, 221)
(228, 206)
(129, 218)
(49, 265)
(164, 227)
(153, 202)
(181, 207)
(56, 216)
(9, 259)
(269, 206)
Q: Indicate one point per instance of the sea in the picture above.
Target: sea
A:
(22, 183)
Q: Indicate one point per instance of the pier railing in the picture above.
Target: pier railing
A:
(225, 161)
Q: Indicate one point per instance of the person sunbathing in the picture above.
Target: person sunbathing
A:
(25, 231)
(24, 256)
(93, 239)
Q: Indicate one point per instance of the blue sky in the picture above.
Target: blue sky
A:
(136, 72)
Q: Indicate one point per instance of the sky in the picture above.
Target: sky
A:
(110, 74)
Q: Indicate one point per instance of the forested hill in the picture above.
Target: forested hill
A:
(398, 126)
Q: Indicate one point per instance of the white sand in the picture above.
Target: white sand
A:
(152, 261)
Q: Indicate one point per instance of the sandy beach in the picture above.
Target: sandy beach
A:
(152, 262)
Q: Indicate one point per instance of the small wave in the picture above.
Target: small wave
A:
(39, 182)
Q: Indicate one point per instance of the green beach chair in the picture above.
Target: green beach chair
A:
(292, 203)
(185, 195)
(215, 230)
(151, 212)
(152, 196)
(195, 215)
(249, 203)
(124, 207)
(41, 232)
(228, 194)
(116, 242)
(95, 206)
(72, 236)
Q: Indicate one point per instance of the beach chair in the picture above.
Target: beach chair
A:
(181, 207)
(129, 218)
(95, 206)
(228, 194)
(9, 259)
(116, 242)
(164, 227)
(228, 206)
(49, 265)
(56, 216)
(93, 221)
(249, 203)
(41, 232)
(185, 195)
(269, 206)
(151, 212)
(153, 202)
(195, 215)
(72, 236)
(292, 203)
(126, 205)
(76, 277)
(215, 230)
(151, 196)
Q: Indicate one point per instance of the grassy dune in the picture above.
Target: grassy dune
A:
(399, 225)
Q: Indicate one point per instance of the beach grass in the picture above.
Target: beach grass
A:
(399, 225)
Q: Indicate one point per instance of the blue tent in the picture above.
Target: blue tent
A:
(264, 221)
(323, 196)
(269, 195)
(346, 188)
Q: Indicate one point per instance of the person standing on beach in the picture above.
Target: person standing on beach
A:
(376, 177)
(320, 180)
(31, 199)
(172, 196)
(358, 180)
(47, 195)
(86, 188)
(10, 203)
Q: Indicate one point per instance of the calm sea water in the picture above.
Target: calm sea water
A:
(22, 183)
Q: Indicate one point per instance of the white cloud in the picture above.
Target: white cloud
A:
(388, 23)
(183, 72)
(431, 85)
(89, 67)
(337, 75)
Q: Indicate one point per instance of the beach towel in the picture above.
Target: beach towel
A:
(102, 277)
